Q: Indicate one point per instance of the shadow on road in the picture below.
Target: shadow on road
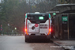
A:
(39, 41)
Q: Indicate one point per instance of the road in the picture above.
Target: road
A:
(18, 43)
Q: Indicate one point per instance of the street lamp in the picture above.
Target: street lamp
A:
(15, 28)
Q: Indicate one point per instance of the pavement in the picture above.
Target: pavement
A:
(66, 44)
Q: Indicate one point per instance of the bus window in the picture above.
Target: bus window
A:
(37, 18)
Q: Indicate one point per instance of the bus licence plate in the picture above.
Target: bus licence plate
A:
(37, 34)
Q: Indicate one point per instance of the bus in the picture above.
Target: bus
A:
(37, 26)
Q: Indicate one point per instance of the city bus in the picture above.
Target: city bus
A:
(37, 26)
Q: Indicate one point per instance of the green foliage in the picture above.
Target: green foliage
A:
(67, 1)
(42, 7)
(13, 11)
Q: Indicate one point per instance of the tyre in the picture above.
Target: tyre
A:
(26, 39)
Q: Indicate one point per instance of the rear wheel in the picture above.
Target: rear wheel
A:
(26, 39)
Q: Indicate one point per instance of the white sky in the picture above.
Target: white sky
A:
(0, 1)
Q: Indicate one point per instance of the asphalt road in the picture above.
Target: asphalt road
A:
(18, 43)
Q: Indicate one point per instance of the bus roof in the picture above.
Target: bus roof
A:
(37, 13)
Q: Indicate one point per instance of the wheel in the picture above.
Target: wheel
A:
(26, 39)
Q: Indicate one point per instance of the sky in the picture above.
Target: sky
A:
(0, 1)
